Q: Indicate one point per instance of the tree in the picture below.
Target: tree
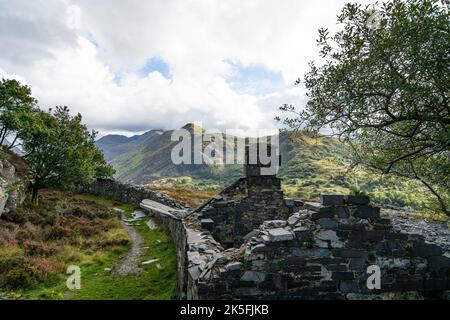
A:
(17, 108)
(61, 152)
(384, 89)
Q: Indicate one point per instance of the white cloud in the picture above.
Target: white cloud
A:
(74, 53)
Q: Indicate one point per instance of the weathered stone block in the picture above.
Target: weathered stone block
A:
(348, 287)
(357, 200)
(233, 266)
(331, 200)
(342, 212)
(302, 233)
(424, 250)
(337, 276)
(280, 234)
(207, 224)
(438, 262)
(253, 276)
(327, 223)
(366, 212)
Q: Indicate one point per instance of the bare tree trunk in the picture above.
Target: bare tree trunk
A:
(441, 201)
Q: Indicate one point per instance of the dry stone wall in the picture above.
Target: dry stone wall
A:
(128, 193)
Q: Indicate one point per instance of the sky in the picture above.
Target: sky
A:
(132, 66)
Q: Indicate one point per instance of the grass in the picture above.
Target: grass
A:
(92, 249)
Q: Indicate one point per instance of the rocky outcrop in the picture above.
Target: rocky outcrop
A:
(13, 181)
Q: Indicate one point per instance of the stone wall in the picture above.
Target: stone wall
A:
(323, 252)
(128, 193)
(244, 206)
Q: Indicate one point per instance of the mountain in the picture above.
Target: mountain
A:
(310, 166)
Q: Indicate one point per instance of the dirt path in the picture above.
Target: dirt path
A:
(130, 264)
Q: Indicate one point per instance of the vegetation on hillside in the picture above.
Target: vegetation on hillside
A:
(58, 148)
(384, 89)
(37, 244)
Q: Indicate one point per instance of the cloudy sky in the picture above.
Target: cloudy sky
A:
(130, 66)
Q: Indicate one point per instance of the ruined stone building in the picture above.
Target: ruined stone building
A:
(250, 242)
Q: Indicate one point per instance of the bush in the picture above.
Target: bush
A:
(16, 273)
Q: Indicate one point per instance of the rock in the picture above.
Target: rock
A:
(207, 224)
(424, 250)
(275, 224)
(315, 253)
(280, 234)
(138, 215)
(366, 212)
(356, 200)
(438, 262)
(150, 261)
(251, 234)
(152, 225)
(333, 200)
(327, 235)
(294, 219)
(289, 202)
(302, 233)
(194, 272)
(253, 276)
(327, 223)
(259, 248)
(342, 212)
(233, 266)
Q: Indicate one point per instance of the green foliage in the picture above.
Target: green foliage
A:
(17, 110)
(61, 151)
(384, 90)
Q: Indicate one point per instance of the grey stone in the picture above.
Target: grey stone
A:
(327, 223)
(342, 212)
(289, 202)
(439, 262)
(207, 224)
(358, 200)
(259, 248)
(314, 253)
(333, 200)
(280, 234)
(302, 233)
(275, 224)
(251, 234)
(366, 212)
(253, 276)
(423, 249)
(233, 266)
(327, 235)
(294, 219)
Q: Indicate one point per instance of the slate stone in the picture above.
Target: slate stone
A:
(438, 262)
(348, 286)
(280, 234)
(233, 266)
(357, 264)
(366, 212)
(342, 212)
(207, 224)
(327, 223)
(425, 250)
(357, 200)
(253, 276)
(337, 276)
(314, 253)
(331, 200)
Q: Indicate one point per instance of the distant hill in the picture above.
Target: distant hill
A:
(310, 167)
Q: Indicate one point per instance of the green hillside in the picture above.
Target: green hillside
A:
(310, 167)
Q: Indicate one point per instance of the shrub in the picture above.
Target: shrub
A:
(16, 273)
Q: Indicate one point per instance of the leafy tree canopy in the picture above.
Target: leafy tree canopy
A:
(384, 89)
(62, 152)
